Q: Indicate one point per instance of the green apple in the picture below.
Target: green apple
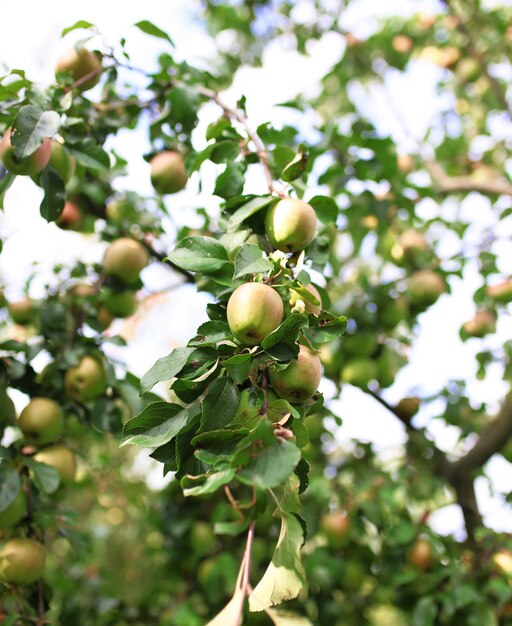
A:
(62, 162)
(502, 292)
(336, 528)
(22, 311)
(315, 309)
(124, 259)
(360, 344)
(79, 62)
(393, 311)
(16, 511)
(29, 166)
(86, 381)
(82, 290)
(425, 287)
(71, 217)
(168, 174)
(502, 561)
(410, 245)
(120, 303)
(331, 356)
(421, 554)
(60, 458)
(389, 363)
(41, 421)
(299, 381)
(202, 538)
(352, 576)
(481, 324)
(250, 405)
(359, 372)
(408, 407)
(290, 225)
(254, 310)
(21, 561)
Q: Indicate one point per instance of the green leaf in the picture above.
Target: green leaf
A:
(220, 404)
(325, 208)
(6, 180)
(238, 367)
(31, 125)
(76, 26)
(157, 424)
(251, 260)
(46, 478)
(150, 29)
(90, 155)
(199, 254)
(165, 368)
(10, 484)
(285, 618)
(231, 182)
(297, 166)
(206, 483)
(285, 576)
(54, 195)
(249, 208)
(211, 333)
(328, 327)
(424, 612)
(272, 467)
(287, 332)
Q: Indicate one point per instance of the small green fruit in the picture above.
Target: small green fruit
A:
(291, 225)
(360, 344)
(21, 561)
(60, 458)
(22, 311)
(62, 162)
(79, 62)
(299, 381)
(315, 309)
(29, 166)
(421, 555)
(393, 311)
(501, 292)
(86, 381)
(359, 372)
(425, 287)
(250, 405)
(168, 174)
(331, 356)
(254, 310)
(120, 303)
(202, 538)
(41, 421)
(125, 258)
(16, 511)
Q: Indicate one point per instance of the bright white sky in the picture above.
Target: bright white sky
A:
(34, 44)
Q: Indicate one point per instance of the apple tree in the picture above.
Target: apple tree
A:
(325, 276)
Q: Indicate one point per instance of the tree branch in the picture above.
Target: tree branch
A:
(453, 184)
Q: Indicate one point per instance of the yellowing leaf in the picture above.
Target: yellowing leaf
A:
(284, 618)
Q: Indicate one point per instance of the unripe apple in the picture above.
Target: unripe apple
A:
(61, 459)
(82, 290)
(359, 372)
(41, 421)
(290, 225)
(408, 407)
(502, 292)
(15, 511)
(119, 209)
(249, 407)
(336, 528)
(254, 310)
(299, 381)
(120, 303)
(388, 366)
(393, 311)
(86, 381)
(425, 287)
(22, 311)
(168, 173)
(202, 538)
(421, 555)
(62, 162)
(502, 561)
(360, 344)
(71, 217)
(104, 317)
(481, 324)
(125, 258)
(315, 309)
(331, 357)
(410, 244)
(21, 561)
(30, 166)
(79, 62)
(352, 576)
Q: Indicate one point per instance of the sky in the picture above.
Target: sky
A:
(176, 310)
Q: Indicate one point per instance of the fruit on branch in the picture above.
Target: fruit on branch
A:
(359, 372)
(502, 292)
(71, 217)
(29, 166)
(119, 209)
(481, 324)
(15, 511)
(336, 528)
(168, 173)
(331, 357)
(254, 310)
(405, 163)
(41, 421)
(392, 312)
(425, 287)
(360, 344)
(421, 555)
(202, 538)
(352, 576)
(82, 290)
(104, 317)
(410, 245)
(389, 363)
(61, 459)
(300, 379)
(86, 381)
(79, 62)
(250, 405)
(290, 225)
(21, 561)
(315, 309)
(502, 561)
(120, 303)
(22, 311)
(124, 259)
(62, 162)
(408, 407)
